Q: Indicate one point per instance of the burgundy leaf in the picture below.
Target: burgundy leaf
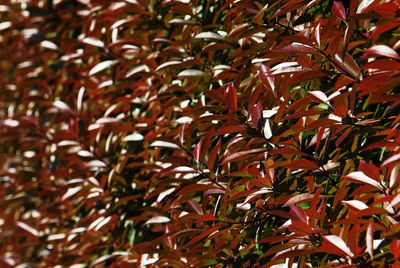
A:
(338, 10)
(381, 50)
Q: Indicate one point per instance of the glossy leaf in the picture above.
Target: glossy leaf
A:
(360, 177)
(101, 66)
(381, 50)
(335, 245)
(338, 10)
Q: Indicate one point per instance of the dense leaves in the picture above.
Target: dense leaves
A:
(199, 133)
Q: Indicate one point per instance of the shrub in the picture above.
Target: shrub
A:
(199, 133)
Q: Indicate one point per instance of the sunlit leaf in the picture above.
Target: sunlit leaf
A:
(336, 245)
(209, 35)
(360, 177)
(101, 66)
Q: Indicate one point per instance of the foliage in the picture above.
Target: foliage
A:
(199, 133)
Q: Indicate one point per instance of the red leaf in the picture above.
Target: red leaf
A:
(257, 116)
(209, 35)
(277, 238)
(383, 64)
(338, 10)
(197, 150)
(267, 79)
(191, 73)
(287, 254)
(194, 188)
(107, 120)
(62, 106)
(231, 97)
(101, 66)
(370, 239)
(230, 129)
(28, 228)
(165, 144)
(168, 64)
(212, 157)
(342, 81)
(236, 156)
(301, 164)
(108, 257)
(297, 47)
(289, 69)
(93, 42)
(347, 64)
(380, 50)
(287, 151)
(395, 248)
(319, 96)
(356, 205)
(393, 159)
(298, 214)
(197, 217)
(299, 199)
(95, 164)
(201, 236)
(157, 219)
(300, 228)
(370, 170)
(360, 177)
(313, 208)
(335, 245)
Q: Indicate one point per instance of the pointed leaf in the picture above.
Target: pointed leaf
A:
(95, 164)
(5, 25)
(107, 120)
(348, 64)
(201, 236)
(212, 157)
(28, 228)
(102, 66)
(257, 116)
(61, 106)
(197, 150)
(391, 160)
(299, 199)
(93, 41)
(209, 35)
(267, 129)
(133, 137)
(319, 96)
(236, 156)
(230, 129)
(355, 205)
(49, 45)
(231, 97)
(301, 164)
(190, 73)
(267, 79)
(370, 170)
(168, 64)
(360, 177)
(298, 214)
(381, 50)
(370, 239)
(157, 219)
(338, 10)
(336, 245)
(194, 188)
(165, 144)
(298, 47)
(137, 70)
